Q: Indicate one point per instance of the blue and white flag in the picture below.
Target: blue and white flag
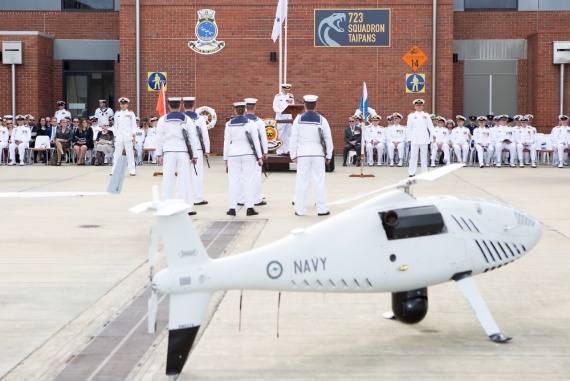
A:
(280, 16)
(364, 103)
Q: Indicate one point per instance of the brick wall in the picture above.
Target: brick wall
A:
(243, 69)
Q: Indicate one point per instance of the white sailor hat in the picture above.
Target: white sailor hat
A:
(482, 118)
(137, 118)
(286, 86)
(20, 117)
(375, 117)
(504, 116)
(239, 104)
(418, 102)
(523, 118)
(153, 119)
(440, 118)
(250, 101)
(124, 100)
(310, 98)
(389, 117)
(188, 99)
(93, 118)
(433, 116)
(8, 117)
(397, 115)
(562, 117)
(102, 101)
(60, 103)
(460, 117)
(174, 99)
(529, 116)
(450, 122)
(517, 117)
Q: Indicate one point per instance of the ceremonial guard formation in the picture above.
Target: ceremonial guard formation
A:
(242, 152)
(250, 104)
(203, 148)
(280, 103)
(176, 145)
(124, 130)
(421, 133)
(311, 148)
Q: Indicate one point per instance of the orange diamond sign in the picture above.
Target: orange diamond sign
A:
(415, 58)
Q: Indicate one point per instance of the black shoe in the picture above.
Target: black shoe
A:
(132, 174)
(297, 214)
(325, 214)
(261, 203)
(344, 164)
(240, 204)
(411, 175)
(204, 202)
(192, 213)
(231, 212)
(292, 202)
(251, 212)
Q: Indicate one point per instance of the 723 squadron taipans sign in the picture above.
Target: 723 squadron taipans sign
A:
(352, 27)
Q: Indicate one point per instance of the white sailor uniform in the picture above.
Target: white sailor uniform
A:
(4, 139)
(562, 143)
(201, 128)
(307, 148)
(460, 141)
(525, 138)
(397, 134)
(170, 144)
(280, 103)
(124, 128)
(420, 132)
(482, 136)
(62, 114)
(504, 139)
(22, 135)
(103, 115)
(442, 136)
(375, 137)
(241, 159)
(140, 137)
(260, 128)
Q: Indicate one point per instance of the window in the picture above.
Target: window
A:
(482, 5)
(89, 5)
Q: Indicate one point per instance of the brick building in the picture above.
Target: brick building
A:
(84, 50)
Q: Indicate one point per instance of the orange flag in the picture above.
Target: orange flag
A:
(161, 104)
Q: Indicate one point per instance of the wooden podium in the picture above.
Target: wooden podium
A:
(281, 162)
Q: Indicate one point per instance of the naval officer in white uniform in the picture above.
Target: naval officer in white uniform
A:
(124, 130)
(310, 135)
(172, 153)
(61, 113)
(280, 103)
(242, 152)
(421, 133)
(202, 136)
(250, 104)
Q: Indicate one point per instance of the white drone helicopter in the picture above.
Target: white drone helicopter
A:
(407, 245)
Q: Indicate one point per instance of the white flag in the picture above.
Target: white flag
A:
(280, 16)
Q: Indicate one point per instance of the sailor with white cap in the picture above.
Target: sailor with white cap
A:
(441, 143)
(375, 138)
(311, 149)
(504, 139)
(173, 153)
(525, 138)
(562, 139)
(280, 103)
(250, 104)
(20, 139)
(203, 138)
(483, 142)
(4, 139)
(124, 130)
(397, 139)
(103, 113)
(61, 113)
(420, 134)
(460, 138)
(242, 152)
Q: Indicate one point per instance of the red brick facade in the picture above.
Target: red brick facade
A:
(243, 68)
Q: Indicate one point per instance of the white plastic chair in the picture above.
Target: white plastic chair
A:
(42, 145)
(149, 146)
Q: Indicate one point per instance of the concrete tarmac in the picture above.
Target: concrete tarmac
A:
(69, 266)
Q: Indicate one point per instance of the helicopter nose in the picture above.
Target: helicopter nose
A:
(529, 230)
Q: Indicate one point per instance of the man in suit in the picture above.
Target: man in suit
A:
(353, 139)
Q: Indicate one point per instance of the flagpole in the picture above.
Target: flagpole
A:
(364, 110)
(285, 58)
(280, 49)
